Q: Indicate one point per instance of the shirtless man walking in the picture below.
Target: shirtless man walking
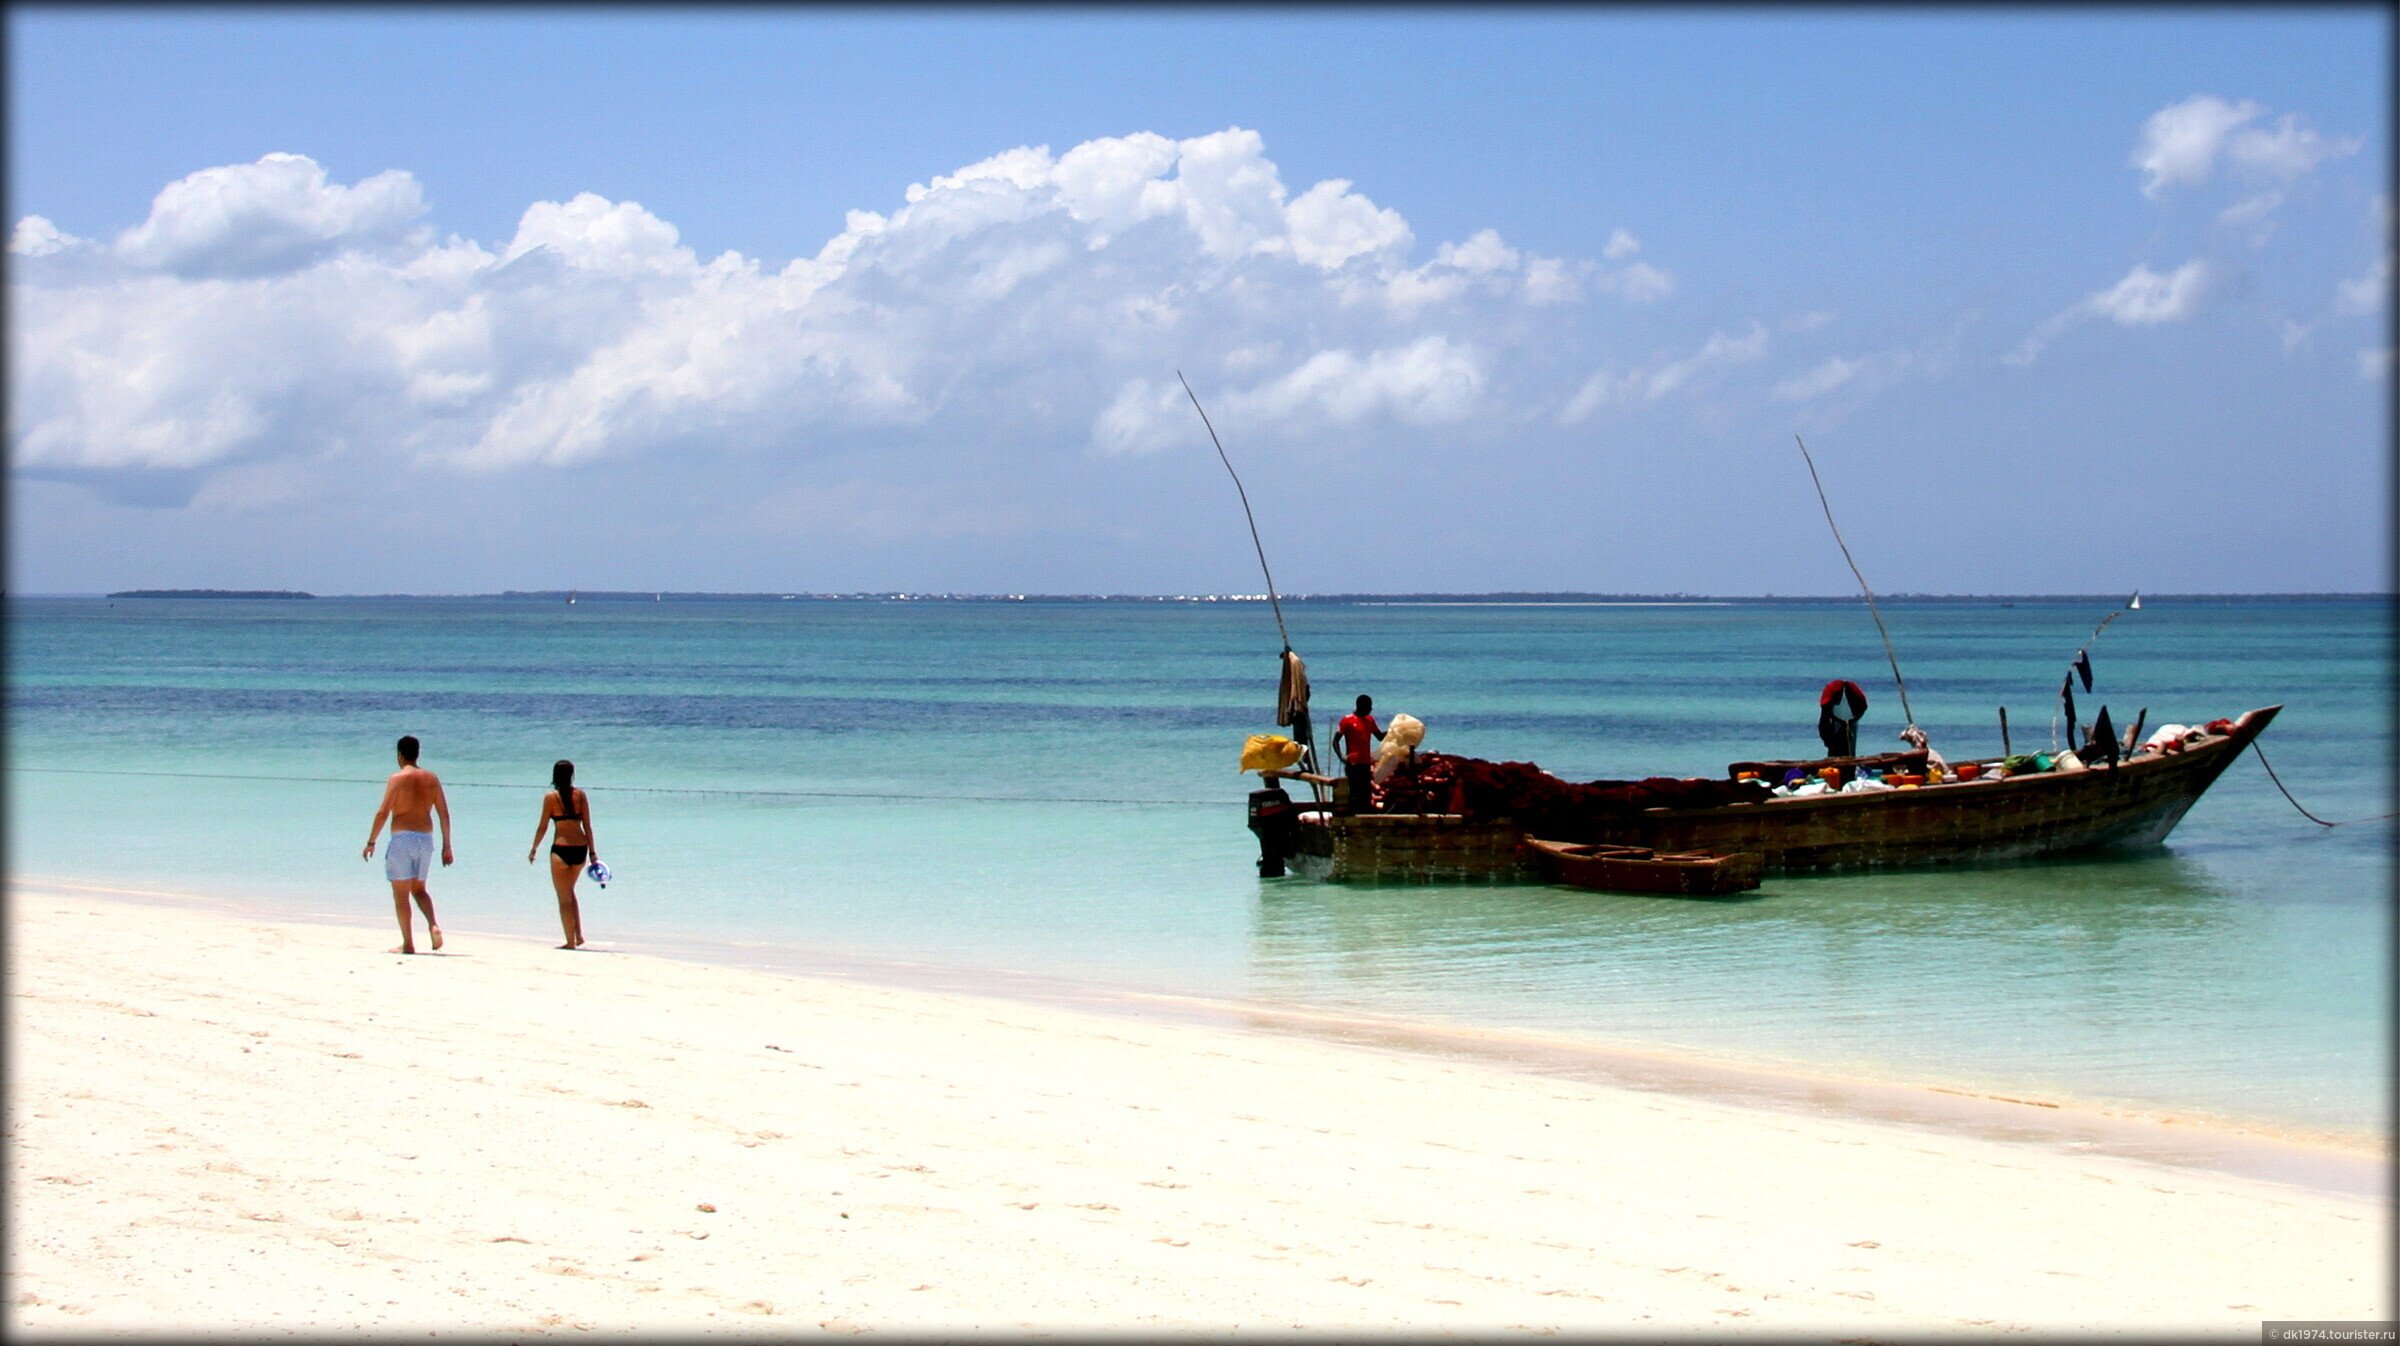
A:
(411, 798)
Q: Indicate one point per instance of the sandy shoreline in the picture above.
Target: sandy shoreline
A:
(2351, 1162)
(221, 1121)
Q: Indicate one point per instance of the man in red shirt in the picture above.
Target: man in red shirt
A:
(1354, 737)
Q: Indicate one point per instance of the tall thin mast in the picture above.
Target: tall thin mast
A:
(1862, 579)
(1272, 599)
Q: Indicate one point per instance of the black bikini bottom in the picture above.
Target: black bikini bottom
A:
(570, 856)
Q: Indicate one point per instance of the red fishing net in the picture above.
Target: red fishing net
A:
(1433, 782)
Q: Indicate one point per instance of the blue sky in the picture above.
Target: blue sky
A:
(2063, 300)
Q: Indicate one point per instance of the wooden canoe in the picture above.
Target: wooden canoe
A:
(1638, 869)
(2129, 806)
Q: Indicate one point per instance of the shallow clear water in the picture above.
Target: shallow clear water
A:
(1050, 787)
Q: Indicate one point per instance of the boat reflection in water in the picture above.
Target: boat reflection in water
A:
(2123, 979)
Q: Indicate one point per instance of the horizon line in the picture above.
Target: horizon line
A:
(1536, 596)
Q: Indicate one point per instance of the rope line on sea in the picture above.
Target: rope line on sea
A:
(651, 789)
(2287, 794)
(885, 794)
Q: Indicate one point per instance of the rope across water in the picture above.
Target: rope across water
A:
(2287, 794)
(883, 795)
(653, 789)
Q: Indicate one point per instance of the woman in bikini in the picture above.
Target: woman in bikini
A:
(574, 845)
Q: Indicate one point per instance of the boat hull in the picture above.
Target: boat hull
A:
(2129, 806)
(2133, 805)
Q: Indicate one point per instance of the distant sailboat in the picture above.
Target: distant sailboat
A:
(570, 598)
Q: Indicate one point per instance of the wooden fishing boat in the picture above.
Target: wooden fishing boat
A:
(1993, 818)
(1638, 869)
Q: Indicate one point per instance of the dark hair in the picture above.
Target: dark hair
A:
(1365, 703)
(562, 779)
(408, 749)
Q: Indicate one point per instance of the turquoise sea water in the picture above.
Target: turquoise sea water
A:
(1049, 786)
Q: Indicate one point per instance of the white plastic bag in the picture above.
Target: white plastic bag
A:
(1405, 734)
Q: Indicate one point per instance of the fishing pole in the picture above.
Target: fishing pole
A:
(2081, 667)
(1862, 579)
(1274, 601)
(1308, 746)
(2133, 604)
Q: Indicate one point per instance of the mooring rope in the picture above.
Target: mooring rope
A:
(648, 789)
(2287, 794)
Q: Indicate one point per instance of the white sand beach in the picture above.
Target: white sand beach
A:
(227, 1123)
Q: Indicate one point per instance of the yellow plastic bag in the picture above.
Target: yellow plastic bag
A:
(1268, 752)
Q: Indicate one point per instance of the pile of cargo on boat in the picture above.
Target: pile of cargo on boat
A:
(1546, 806)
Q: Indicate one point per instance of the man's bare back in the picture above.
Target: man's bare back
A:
(410, 795)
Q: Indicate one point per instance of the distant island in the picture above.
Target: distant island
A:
(1503, 598)
(210, 593)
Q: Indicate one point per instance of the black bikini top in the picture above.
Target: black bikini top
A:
(566, 800)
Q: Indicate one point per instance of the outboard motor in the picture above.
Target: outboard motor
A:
(1277, 823)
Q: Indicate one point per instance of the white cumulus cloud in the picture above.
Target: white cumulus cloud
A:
(2252, 216)
(252, 219)
(2364, 296)
(1833, 373)
(38, 237)
(1430, 381)
(2181, 145)
(1659, 379)
(268, 313)
(2143, 298)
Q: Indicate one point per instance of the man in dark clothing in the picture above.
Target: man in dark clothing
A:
(1354, 737)
(1839, 706)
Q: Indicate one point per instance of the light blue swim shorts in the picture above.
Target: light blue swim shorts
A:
(408, 855)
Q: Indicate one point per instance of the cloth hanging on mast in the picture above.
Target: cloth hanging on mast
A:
(1291, 695)
(2083, 668)
(2066, 693)
(1291, 702)
(2104, 737)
